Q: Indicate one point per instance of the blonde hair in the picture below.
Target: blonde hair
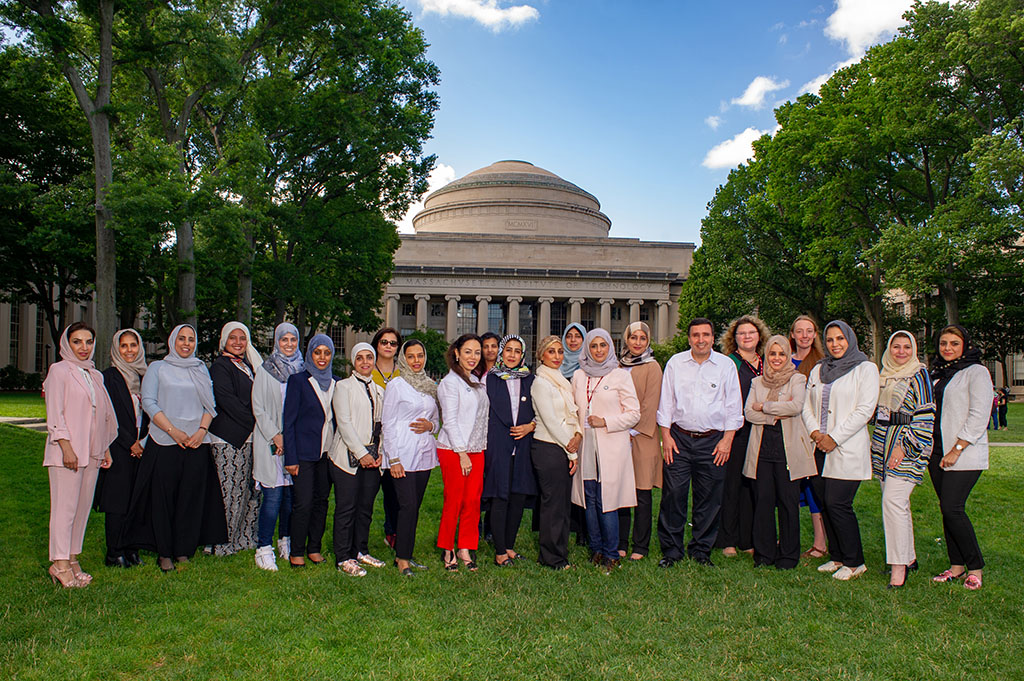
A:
(727, 341)
(816, 352)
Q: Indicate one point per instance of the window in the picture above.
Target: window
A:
(559, 318)
(587, 315)
(40, 319)
(337, 334)
(645, 313)
(466, 318)
(408, 309)
(528, 328)
(496, 318)
(1017, 370)
(15, 332)
(437, 310)
(616, 313)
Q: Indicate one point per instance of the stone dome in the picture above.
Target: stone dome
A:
(512, 197)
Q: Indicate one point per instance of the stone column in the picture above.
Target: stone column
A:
(544, 322)
(513, 313)
(605, 316)
(634, 309)
(391, 310)
(661, 333)
(481, 314)
(574, 309)
(421, 309)
(452, 321)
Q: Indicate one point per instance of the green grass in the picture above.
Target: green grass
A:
(221, 618)
(1015, 425)
(22, 405)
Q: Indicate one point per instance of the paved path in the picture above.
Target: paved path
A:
(36, 424)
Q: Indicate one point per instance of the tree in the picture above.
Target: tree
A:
(436, 346)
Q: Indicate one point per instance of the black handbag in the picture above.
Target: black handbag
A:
(373, 447)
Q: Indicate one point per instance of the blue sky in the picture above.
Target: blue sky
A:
(647, 105)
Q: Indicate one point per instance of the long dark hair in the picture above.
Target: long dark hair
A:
(452, 359)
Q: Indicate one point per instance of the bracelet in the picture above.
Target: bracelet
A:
(204, 428)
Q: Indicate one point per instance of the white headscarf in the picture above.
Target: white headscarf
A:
(894, 380)
(251, 353)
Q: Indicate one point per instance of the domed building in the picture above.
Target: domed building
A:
(513, 248)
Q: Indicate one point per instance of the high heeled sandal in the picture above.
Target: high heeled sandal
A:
(470, 562)
(66, 577)
(83, 577)
(948, 576)
(451, 562)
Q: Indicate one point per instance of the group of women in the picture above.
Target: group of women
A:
(182, 456)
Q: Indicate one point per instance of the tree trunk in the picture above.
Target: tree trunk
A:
(243, 311)
(186, 272)
(951, 301)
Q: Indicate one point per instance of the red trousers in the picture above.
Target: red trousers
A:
(461, 506)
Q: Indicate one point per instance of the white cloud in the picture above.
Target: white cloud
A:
(713, 122)
(487, 12)
(862, 23)
(733, 152)
(783, 39)
(440, 176)
(815, 84)
(759, 88)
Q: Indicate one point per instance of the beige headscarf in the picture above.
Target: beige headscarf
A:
(555, 377)
(252, 355)
(894, 380)
(772, 379)
(134, 371)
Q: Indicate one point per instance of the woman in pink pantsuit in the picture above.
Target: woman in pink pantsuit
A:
(80, 425)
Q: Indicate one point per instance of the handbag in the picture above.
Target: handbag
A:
(373, 447)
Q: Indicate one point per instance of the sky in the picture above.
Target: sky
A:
(647, 105)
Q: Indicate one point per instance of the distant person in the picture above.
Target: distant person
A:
(1004, 404)
(489, 342)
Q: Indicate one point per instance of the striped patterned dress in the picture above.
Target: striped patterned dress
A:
(915, 437)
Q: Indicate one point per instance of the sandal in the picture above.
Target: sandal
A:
(814, 552)
(84, 578)
(469, 562)
(973, 582)
(451, 563)
(66, 577)
(948, 576)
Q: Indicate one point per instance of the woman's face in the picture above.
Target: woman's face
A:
(803, 334)
(637, 342)
(387, 346)
(951, 346)
(236, 343)
(128, 347)
(835, 342)
(599, 349)
(185, 342)
(512, 354)
(490, 350)
(747, 337)
(553, 355)
(322, 357)
(574, 339)
(81, 344)
(415, 357)
(901, 350)
(776, 357)
(288, 344)
(468, 355)
(363, 363)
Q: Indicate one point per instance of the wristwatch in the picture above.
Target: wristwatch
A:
(958, 447)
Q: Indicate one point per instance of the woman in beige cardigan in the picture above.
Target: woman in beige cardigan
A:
(639, 361)
(779, 454)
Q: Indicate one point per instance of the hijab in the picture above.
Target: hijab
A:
(515, 373)
(324, 377)
(252, 355)
(942, 369)
(571, 362)
(772, 379)
(592, 367)
(833, 368)
(356, 349)
(556, 378)
(893, 379)
(104, 411)
(419, 380)
(197, 371)
(279, 365)
(628, 358)
(131, 372)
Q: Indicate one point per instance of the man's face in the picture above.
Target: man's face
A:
(701, 339)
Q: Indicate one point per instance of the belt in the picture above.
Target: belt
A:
(697, 435)
(895, 419)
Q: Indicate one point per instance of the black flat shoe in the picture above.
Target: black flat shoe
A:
(702, 560)
(132, 558)
(407, 572)
(666, 563)
(116, 561)
(418, 566)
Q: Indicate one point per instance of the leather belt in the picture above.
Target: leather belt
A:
(697, 435)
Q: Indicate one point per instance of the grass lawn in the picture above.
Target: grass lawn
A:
(221, 618)
(22, 405)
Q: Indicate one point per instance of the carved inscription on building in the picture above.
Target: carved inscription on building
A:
(524, 284)
(519, 225)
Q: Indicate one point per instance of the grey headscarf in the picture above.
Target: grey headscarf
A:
(833, 368)
(589, 365)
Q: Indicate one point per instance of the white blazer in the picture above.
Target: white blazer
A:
(353, 415)
(966, 409)
(851, 404)
(403, 404)
(459, 406)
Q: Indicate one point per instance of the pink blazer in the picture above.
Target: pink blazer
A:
(70, 415)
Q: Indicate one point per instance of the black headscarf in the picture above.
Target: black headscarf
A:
(833, 368)
(941, 372)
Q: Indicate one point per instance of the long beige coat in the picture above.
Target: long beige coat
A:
(788, 407)
(647, 459)
(614, 399)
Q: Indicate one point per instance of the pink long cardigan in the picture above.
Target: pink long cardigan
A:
(69, 415)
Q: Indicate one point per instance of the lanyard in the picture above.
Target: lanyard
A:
(590, 393)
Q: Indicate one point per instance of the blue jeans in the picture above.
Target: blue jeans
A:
(277, 501)
(602, 527)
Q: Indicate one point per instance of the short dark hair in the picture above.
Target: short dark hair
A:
(79, 326)
(488, 335)
(380, 334)
(700, 321)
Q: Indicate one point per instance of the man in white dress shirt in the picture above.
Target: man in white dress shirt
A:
(701, 409)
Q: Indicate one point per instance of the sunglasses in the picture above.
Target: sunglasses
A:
(392, 343)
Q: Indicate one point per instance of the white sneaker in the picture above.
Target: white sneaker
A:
(367, 559)
(847, 573)
(830, 566)
(265, 558)
(352, 567)
(284, 547)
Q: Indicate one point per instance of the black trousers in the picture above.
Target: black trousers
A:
(506, 517)
(554, 486)
(178, 497)
(642, 522)
(841, 526)
(409, 491)
(775, 492)
(953, 488)
(390, 499)
(693, 464)
(737, 518)
(354, 495)
(113, 524)
(311, 489)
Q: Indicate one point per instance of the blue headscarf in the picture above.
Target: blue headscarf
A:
(279, 365)
(572, 357)
(325, 376)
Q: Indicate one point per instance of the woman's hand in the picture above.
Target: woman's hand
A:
(195, 439)
(826, 443)
(70, 459)
(757, 406)
(896, 458)
(179, 436)
(292, 470)
(368, 461)
(278, 441)
(950, 459)
(136, 449)
(572, 467)
(816, 436)
(595, 421)
(421, 425)
(397, 471)
(519, 432)
(106, 460)
(574, 444)
(465, 463)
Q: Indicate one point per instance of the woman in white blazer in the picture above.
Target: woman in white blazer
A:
(355, 462)
(962, 390)
(842, 392)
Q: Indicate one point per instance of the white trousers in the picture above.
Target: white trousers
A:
(899, 526)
